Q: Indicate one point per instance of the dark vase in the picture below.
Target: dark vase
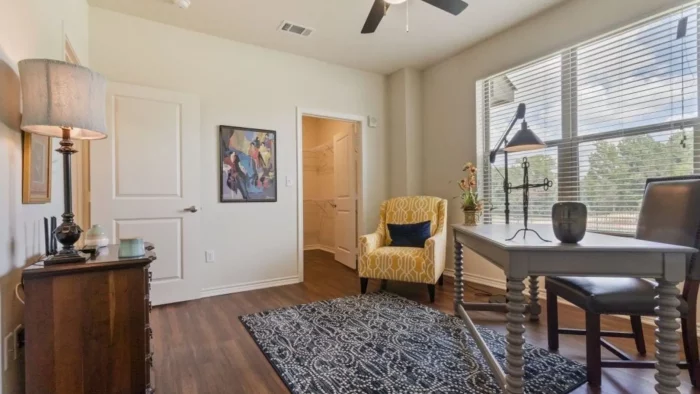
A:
(569, 221)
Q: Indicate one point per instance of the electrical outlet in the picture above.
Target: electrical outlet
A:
(209, 256)
(8, 347)
(19, 341)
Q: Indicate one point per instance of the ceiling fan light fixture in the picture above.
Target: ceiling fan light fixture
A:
(379, 8)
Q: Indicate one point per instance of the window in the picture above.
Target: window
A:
(613, 112)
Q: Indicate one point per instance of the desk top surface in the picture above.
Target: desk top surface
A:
(496, 234)
(108, 258)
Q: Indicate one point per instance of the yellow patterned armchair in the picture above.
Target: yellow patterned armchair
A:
(378, 260)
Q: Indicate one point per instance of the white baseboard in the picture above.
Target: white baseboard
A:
(501, 285)
(237, 288)
(320, 247)
(479, 279)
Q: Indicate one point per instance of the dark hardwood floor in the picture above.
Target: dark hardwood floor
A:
(201, 346)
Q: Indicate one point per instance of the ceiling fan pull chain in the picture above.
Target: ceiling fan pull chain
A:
(407, 16)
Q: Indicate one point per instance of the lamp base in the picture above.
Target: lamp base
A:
(525, 230)
(68, 232)
(65, 257)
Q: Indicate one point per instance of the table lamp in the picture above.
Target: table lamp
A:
(524, 140)
(66, 101)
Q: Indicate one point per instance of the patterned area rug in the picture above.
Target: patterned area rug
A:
(384, 343)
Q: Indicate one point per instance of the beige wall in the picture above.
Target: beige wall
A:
(449, 88)
(405, 142)
(28, 29)
(414, 131)
(397, 134)
(244, 85)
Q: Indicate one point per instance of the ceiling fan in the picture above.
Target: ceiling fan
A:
(379, 8)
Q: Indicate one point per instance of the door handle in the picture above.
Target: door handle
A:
(192, 209)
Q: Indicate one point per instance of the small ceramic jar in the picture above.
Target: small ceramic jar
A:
(96, 237)
(131, 247)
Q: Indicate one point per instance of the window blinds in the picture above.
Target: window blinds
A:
(613, 112)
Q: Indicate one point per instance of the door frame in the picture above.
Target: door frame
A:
(361, 121)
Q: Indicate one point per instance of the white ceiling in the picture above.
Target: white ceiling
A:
(434, 34)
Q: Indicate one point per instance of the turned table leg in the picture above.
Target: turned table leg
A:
(667, 338)
(515, 361)
(458, 284)
(535, 308)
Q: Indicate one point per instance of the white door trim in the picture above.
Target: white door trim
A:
(320, 113)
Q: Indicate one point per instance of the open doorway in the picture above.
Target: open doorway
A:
(331, 204)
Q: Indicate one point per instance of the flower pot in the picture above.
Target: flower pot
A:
(471, 218)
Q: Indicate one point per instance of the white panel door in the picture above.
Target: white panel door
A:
(345, 198)
(145, 176)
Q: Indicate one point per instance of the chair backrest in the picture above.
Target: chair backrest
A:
(414, 209)
(671, 214)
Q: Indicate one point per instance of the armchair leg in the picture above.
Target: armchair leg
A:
(384, 284)
(431, 292)
(363, 285)
(441, 279)
(638, 334)
(552, 321)
(593, 360)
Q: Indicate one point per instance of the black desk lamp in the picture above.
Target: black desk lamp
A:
(524, 140)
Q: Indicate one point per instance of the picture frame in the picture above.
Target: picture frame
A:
(247, 164)
(36, 168)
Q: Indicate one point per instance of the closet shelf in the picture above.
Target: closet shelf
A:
(321, 148)
(319, 159)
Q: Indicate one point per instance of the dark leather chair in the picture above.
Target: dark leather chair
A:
(670, 213)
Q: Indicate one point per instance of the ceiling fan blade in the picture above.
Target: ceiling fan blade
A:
(375, 16)
(454, 7)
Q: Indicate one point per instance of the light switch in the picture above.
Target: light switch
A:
(209, 256)
(372, 121)
(290, 182)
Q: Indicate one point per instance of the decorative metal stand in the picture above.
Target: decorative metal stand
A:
(526, 186)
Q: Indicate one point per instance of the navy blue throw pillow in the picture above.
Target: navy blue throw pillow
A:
(411, 235)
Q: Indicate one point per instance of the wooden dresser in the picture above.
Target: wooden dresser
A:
(87, 326)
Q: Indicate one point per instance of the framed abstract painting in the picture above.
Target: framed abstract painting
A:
(248, 164)
(36, 169)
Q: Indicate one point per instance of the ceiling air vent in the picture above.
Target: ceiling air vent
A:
(293, 28)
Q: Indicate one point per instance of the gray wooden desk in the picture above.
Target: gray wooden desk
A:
(595, 255)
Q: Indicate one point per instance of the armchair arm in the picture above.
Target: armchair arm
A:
(370, 242)
(435, 251)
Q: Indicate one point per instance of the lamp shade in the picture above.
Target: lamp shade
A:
(57, 95)
(524, 140)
